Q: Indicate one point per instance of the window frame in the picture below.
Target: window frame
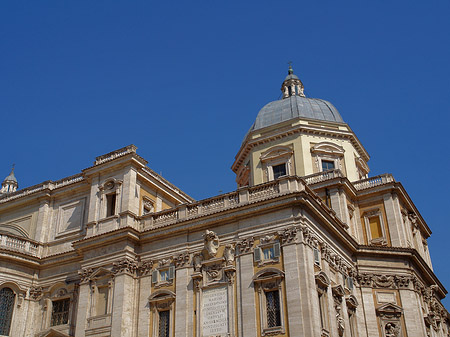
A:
(11, 313)
(109, 187)
(258, 253)
(159, 301)
(158, 281)
(268, 280)
(275, 156)
(322, 285)
(375, 213)
(99, 283)
(52, 312)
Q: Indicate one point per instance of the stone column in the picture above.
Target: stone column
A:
(415, 325)
(123, 306)
(247, 308)
(292, 267)
(82, 309)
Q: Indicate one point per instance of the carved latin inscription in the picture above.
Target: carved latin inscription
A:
(215, 312)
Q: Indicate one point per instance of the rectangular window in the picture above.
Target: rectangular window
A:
(163, 324)
(164, 275)
(102, 301)
(316, 257)
(273, 308)
(375, 227)
(268, 253)
(60, 312)
(327, 165)
(279, 170)
(110, 204)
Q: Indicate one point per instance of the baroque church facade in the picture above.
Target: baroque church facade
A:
(307, 245)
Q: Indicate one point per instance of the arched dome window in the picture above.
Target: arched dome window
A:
(7, 298)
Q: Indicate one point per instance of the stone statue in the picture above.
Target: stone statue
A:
(211, 242)
(197, 261)
(340, 321)
(392, 330)
(228, 254)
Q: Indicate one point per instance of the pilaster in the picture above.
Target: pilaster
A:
(82, 310)
(123, 307)
(292, 266)
(415, 325)
(370, 317)
(183, 303)
(393, 221)
(247, 317)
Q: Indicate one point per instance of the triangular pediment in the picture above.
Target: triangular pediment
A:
(52, 333)
(389, 308)
(100, 273)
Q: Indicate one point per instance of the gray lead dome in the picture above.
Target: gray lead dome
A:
(294, 107)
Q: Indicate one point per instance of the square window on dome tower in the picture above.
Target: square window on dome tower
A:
(279, 170)
(327, 165)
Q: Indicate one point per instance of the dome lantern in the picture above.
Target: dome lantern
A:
(10, 184)
(292, 86)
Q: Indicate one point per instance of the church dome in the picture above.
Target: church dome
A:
(294, 107)
(294, 104)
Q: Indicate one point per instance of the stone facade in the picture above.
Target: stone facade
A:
(119, 251)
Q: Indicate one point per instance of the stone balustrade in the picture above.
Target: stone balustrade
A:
(19, 244)
(46, 185)
(242, 196)
(373, 181)
(322, 176)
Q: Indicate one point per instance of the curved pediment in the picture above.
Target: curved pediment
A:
(276, 152)
(161, 295)
(268, 273)
(322, 279)
(328, 148)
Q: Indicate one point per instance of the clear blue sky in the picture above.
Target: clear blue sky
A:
(184, 81)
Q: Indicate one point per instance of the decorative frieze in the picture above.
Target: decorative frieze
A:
(145, 267)
(36, 293)
(245, 245)
(85, 275)
(125, 265)
(182, 260)
(288, 235)
(384, 280)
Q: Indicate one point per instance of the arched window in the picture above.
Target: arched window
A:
(7, 297)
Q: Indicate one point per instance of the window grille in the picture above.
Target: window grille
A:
(60, 312)
(7, 297)
(273, 309)
(164, 323)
